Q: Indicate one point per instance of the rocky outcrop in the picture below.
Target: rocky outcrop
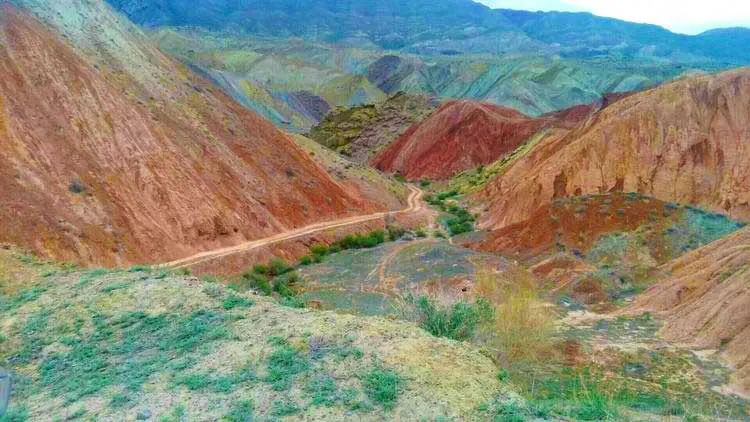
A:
(686, 142)
(112, 153)
(459, 136)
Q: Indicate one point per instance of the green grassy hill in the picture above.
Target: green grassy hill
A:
(151, 345)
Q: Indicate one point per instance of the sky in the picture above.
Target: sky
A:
(683, 16)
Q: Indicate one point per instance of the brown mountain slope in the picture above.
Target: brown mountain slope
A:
(460, 135)
(706, 302)
(685, 142)
(112, 153)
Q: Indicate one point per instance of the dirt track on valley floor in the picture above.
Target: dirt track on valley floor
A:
(415, 204)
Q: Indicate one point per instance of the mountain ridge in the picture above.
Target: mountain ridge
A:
(426, 26)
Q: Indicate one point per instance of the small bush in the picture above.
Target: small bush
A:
(319, 250)
(383, 386)
(278, 267)
(284, 407)
(242, 411)
(523, 328)
(284, 364)
(76, 186)
(322, 390)
(119, 401)
(139, 269)
(256, 281)
(306, 260)
(458, 322)
(395, 232)
(234, 301)
(284, 285)
(215, 383)
(292, 302)
(420, 233)
(367, 241)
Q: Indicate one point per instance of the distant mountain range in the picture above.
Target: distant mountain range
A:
(442, 27)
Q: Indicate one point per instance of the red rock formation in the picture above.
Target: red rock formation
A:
(109, 162)
(459, 136)
(686, 142)
(706, 302)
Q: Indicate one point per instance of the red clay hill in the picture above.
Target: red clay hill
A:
(686, 142)
(459, 136)
(111, 153)
(463, 135)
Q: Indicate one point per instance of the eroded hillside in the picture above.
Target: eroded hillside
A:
(459, 136)
(705, 303)
(684, 142)
(113, 153)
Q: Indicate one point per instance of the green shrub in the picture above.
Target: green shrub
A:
(256, 281)
(242, 411)
(292, 302)
(367, 241)
(284, 407)
(119, 401)
(278, 267)
(284, 364)
(421, 233)
(233, 301)
(457, 322)
(215, 383)
(383, 386)
(284, 285)
(395, 232)
(306, 260)
(320, 250)
(322, 390)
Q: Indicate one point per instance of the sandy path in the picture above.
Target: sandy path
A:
(415, 204)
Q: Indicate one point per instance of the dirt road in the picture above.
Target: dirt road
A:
(415, 204)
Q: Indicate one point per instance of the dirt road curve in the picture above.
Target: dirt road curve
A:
(414, 204)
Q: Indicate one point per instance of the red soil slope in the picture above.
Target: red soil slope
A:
(575, 223)
(706, 302)
(109, 161)
(459, 136)
(685, 142)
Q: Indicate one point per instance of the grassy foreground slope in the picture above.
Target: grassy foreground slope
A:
(143, 344)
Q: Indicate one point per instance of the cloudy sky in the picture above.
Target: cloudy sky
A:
(685, 16)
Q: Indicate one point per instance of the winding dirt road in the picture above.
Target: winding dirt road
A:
(415, 204)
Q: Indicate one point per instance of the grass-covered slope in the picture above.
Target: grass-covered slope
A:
(144, 344)
(361, 132)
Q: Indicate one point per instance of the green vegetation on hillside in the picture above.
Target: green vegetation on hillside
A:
(343, 125)
(458, 220)
(472, 181)
(162, 346)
